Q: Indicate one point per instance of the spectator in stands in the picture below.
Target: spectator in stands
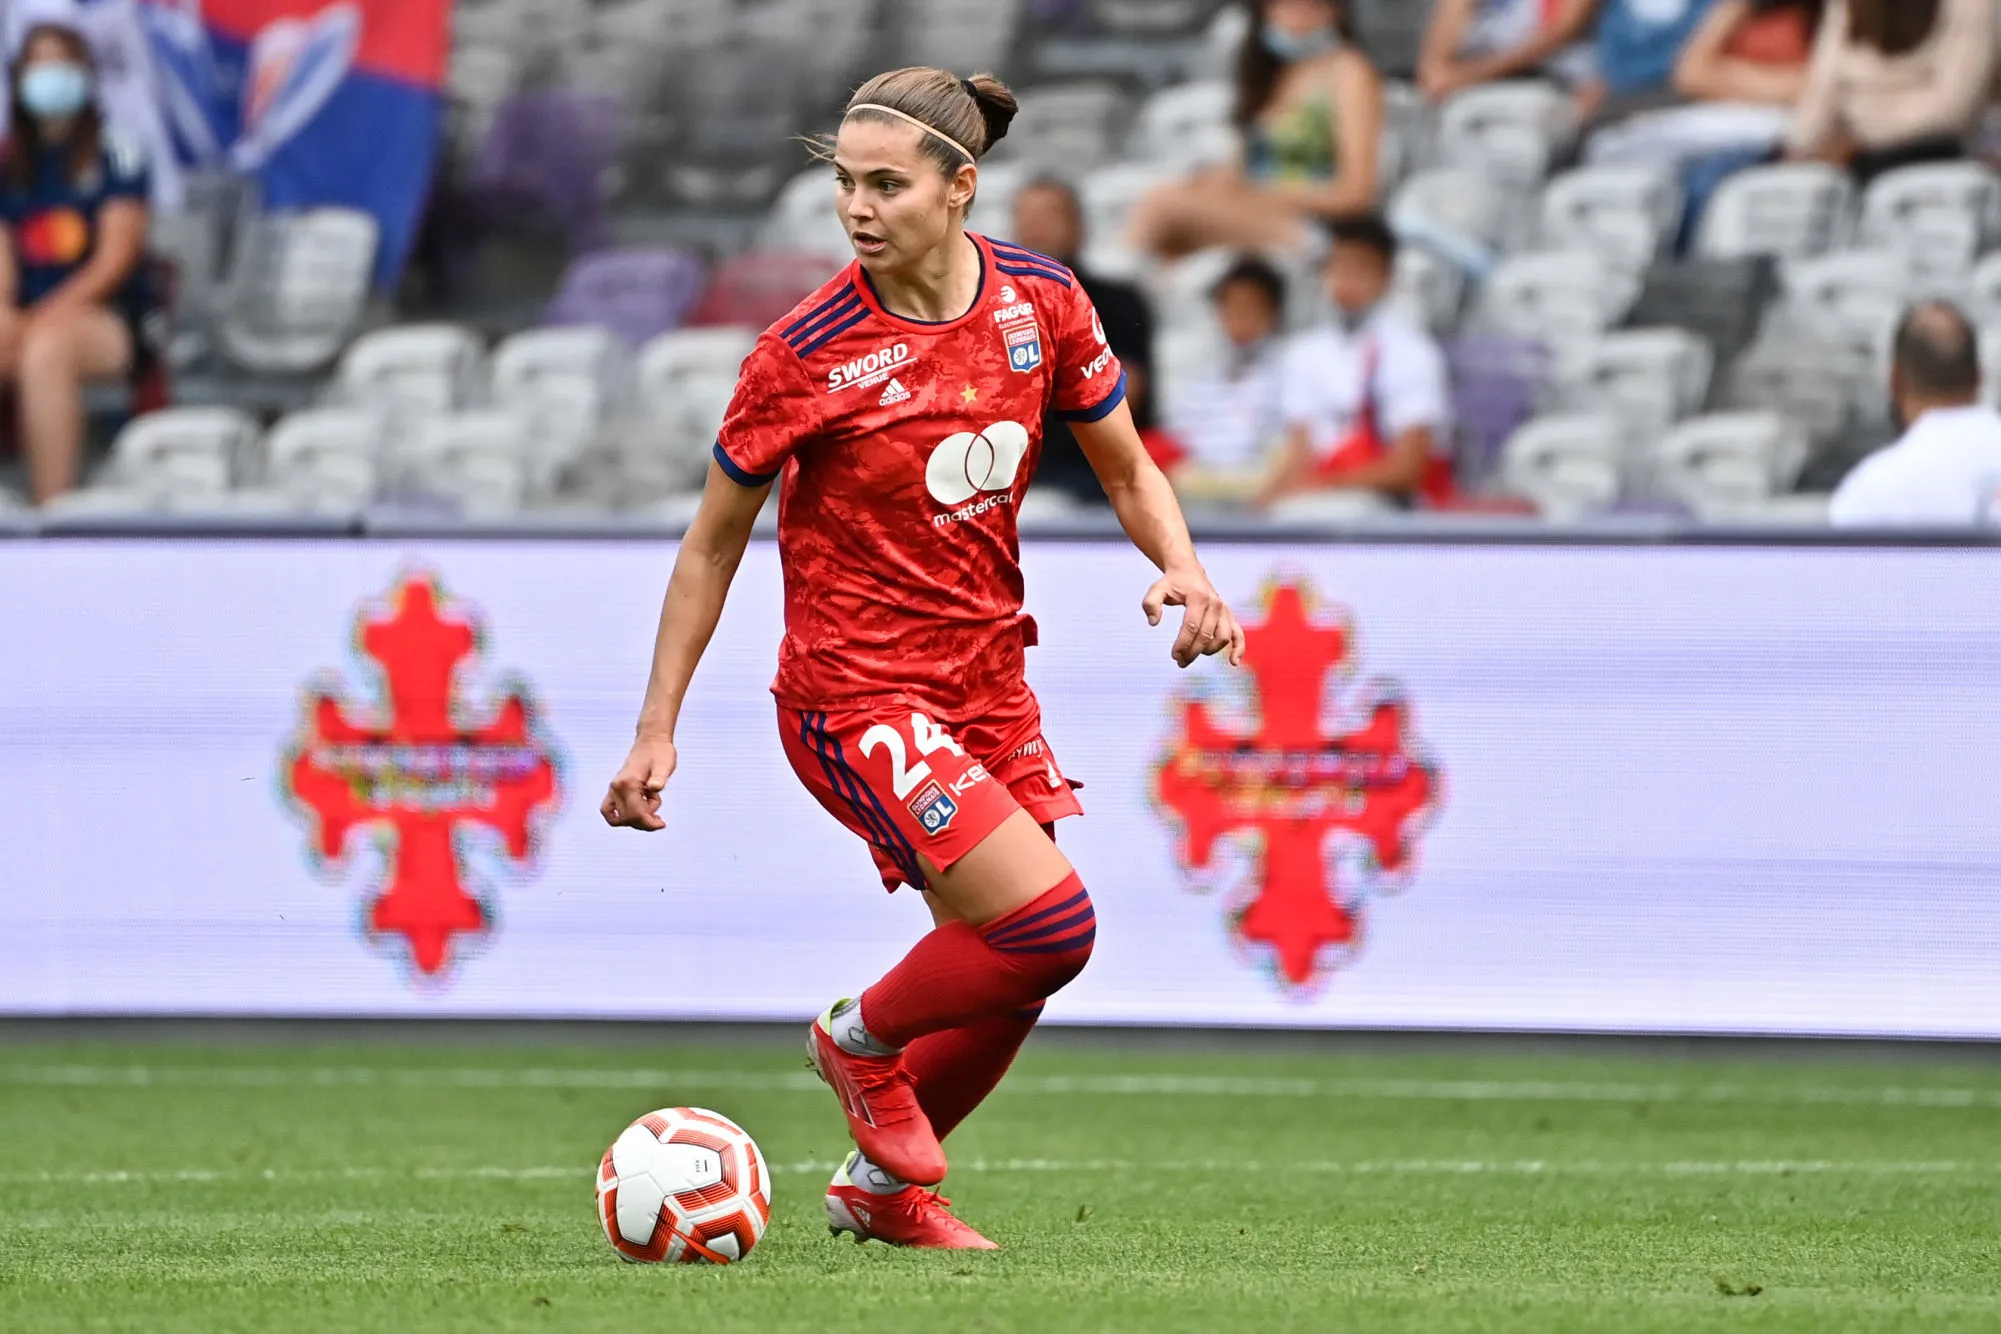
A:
(1227, 422)
(1469, 42)
(1049, 217)
(1310, 109)
(1638, 43)
(1947, 467)
(1895, 82)
(1365, 399)
(73, 219)
(1752, 52)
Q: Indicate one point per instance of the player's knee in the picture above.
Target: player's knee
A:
(1049, 941)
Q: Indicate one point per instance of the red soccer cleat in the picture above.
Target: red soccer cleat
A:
(912, 1217)
(881, 1105)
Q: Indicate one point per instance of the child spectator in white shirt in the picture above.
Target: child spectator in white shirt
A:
(1227, 423)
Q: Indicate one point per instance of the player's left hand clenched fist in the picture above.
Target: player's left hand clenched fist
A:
(634, 799)
(1208, 626)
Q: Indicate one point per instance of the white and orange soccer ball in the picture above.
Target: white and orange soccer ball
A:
(683, 1185)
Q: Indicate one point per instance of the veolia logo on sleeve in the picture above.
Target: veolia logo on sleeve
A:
(1326, 809)
(437, 778)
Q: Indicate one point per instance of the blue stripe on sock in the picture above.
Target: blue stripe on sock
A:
(1076, 942)
(1068, 905)
(1067, 924)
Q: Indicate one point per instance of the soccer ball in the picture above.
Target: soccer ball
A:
(683, 1185)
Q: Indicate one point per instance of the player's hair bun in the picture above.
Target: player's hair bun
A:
(997, 106)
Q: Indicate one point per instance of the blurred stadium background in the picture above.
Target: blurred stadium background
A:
(1633, 749)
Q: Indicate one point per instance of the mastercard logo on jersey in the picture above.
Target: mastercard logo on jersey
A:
(56, 236)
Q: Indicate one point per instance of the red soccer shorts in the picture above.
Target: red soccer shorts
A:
(908, 783)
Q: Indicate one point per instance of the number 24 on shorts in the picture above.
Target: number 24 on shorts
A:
(932, 808)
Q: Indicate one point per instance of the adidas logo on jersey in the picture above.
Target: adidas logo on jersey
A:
(896, 393)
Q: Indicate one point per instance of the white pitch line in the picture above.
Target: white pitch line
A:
(810, 1167)
(1432, 1090)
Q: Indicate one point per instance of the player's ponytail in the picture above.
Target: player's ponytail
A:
(963, 117)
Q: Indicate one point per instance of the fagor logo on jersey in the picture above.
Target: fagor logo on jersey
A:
(971, 463)
(871, 369)
(1324, 802)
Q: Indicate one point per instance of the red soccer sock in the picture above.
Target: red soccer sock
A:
(955, 1070)
(959, 974)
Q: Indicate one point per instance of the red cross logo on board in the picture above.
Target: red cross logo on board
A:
(1287, 787)
(423, 770)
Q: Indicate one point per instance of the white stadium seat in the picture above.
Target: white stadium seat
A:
(1791, 209)
(1728, 462)
(299, 289)
(1428, 289)
(477, 460)
(1568, 464)
(1186, 126)
(1512, 129)
(1850, 296)
(713, 350)
(1108, 196)
(1406, 139)
(1817, 382)
(411, 370)
(1648, 378)
(1072, 127)
(1560, 297)
(1982, 293)
(803, 218)
(564, 383)
(1940, 215)
(329, 456)
(1626, 214)
(1461, 211)
(183, 452)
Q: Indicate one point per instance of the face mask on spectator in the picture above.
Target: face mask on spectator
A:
(55, 89)
(1351, 321)
(1293, 47)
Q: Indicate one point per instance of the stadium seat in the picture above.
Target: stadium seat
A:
(1332, 508)
(1222, 40)
(1513, 130)
(636, 294)
(545, 160)
(992, 213)
(1851, 296)
(1151, 18)
(326, 457)
(716, 350)
(1820, 383)
(1406, 138)
(299, 290)
(1626, 214)
(1461, 212)
(758, 287)
(182, 453)
(477, 460)
(1982, 293)
(1725, 463)
(1428, 288)
(1186, 126)
(1497, 382)
(954, 34)
(1561, 297)
(685, 383)
(1109, 196)
(1569, 465)
(1072, 127)
(1940, 215)
(411, 370)
(1724, 300)
(1787, 210)
(803, 217)
(563, 384)
(1391, 31)
(1648, 378)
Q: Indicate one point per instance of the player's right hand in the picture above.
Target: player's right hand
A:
(634, 798)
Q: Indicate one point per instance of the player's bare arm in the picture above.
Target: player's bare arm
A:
(703, 570)
(1147, 510)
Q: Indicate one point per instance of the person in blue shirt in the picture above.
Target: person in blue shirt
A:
(1638, 43)
(73, 221)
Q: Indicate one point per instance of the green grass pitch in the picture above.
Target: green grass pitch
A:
(414, 1187)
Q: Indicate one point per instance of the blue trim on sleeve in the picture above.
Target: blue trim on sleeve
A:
(1104, 409)
(740, 476)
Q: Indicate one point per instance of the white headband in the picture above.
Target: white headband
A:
(928, 129)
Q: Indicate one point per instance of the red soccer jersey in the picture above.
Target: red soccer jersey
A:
(905, 447)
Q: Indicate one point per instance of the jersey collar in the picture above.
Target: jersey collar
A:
(874, 303)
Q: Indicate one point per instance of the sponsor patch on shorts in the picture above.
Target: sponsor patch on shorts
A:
(933, 809)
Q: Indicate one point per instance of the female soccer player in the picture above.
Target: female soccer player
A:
(902, 404)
